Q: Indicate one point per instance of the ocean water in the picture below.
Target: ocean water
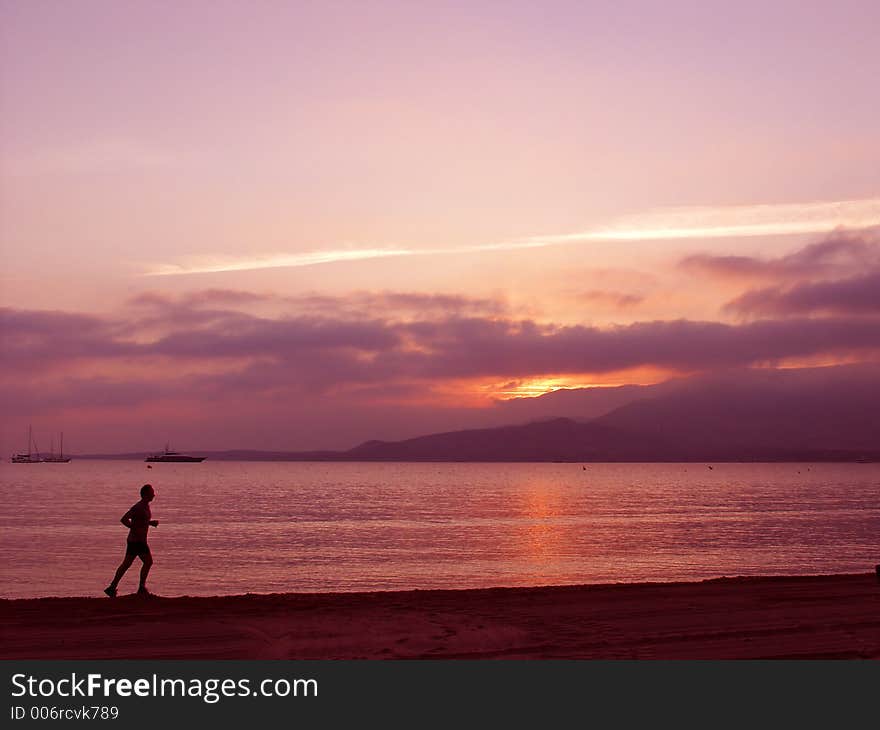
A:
(239, 527)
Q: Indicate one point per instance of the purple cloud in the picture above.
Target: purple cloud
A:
(38, 339)
(362, 303)
(283, 338)
(855, 295)
(842, 253)
(483, 348)
(398, 305)
(231, 353)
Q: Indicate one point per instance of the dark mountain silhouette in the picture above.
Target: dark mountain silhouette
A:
(559, 439)
(797, 414)
(765, 412)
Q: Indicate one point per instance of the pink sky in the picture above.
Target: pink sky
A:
(301, 225)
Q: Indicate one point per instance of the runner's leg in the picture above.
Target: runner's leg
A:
(147, 560)
(120, 571)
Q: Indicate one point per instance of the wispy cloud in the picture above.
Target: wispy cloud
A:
(611, 299)
(668, 223)
(309, 258)
(842, 253)
(735, 220)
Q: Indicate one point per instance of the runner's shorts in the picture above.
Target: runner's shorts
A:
(137, 549)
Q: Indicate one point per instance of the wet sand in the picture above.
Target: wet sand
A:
(775, 617)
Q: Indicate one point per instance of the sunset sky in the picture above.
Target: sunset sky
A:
(297, 225)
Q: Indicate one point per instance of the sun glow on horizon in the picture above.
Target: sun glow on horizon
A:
(538, 386)
(534, 388)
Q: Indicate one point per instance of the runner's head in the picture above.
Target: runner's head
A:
(147, 493)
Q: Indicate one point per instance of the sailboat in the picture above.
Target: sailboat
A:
(61, 458)
(28, 458)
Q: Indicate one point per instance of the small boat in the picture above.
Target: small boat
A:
(61, 458)
(28, 458)
(173, 456)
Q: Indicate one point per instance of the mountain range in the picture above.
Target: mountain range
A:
(828, 413)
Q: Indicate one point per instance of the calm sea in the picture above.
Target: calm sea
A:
(238, 527)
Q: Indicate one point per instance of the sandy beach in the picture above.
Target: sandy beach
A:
(813, 617)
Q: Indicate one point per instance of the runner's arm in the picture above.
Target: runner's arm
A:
(126, 519)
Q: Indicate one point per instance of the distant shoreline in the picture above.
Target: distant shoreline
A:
(295, 457)
(806, 617)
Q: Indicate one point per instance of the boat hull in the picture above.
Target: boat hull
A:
(174, 459)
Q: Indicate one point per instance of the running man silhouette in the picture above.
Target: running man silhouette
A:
(138, 521)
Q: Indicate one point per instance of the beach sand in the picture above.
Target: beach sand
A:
(834, 616)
